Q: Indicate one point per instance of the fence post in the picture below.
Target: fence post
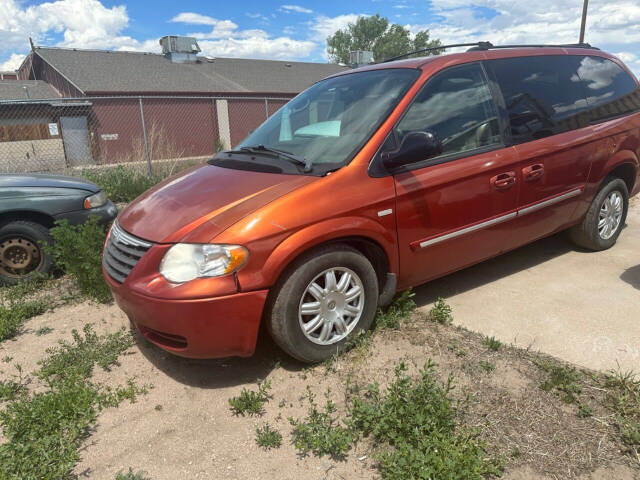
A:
(266, 108)
(144, 134)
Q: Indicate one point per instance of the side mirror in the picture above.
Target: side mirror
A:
(415, 146)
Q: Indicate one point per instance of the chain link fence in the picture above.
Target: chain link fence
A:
(71, 135)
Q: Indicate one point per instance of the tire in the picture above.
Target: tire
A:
(21, 251)
(284, 314)
(587, 233)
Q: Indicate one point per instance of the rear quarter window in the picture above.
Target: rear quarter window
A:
(610, 91)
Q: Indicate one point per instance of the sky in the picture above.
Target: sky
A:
(297, 31)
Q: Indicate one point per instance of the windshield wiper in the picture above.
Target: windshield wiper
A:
(308, 165)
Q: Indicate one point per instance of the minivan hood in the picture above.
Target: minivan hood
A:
(200, 203)
(45, 181)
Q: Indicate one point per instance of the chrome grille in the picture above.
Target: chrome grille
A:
(122, 252)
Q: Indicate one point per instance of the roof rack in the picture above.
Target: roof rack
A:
(478, 46)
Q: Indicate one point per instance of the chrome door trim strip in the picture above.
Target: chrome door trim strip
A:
(472, 228)
(383, 213)
(551, 201)
(500, 219)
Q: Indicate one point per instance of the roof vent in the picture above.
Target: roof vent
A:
(180, 49)
(360, 58)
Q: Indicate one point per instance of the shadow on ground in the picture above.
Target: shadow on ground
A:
(219, 373)
(499, 267)
(632, 276)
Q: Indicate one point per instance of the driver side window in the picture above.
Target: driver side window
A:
(457, 106)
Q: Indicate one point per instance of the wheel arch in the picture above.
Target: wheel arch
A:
(29, 216)
(368, 237)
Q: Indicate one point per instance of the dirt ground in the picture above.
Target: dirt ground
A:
(183, 427)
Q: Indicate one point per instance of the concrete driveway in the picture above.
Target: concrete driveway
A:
(583, 307)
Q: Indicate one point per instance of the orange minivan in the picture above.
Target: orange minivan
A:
(372, 181)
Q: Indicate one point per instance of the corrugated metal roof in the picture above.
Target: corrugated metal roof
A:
(103, 71)
(15, 90)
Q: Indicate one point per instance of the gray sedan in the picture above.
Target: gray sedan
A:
(29, 206)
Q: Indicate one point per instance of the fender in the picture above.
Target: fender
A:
(332, 229)
(599, 171)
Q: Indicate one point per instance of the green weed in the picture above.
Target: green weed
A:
(11, 389)
(623, 398)
(43, 430)
(43, 331)
(441, 312)
(400, 309)
(562, 379)
(267, 437)
(492, 343)
(251, 402)
(77, 249)
(320, 432)
(85, 351)
(417, 422)
(131, 475)
(487, 366)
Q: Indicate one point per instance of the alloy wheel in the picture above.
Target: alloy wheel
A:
(331, 306)
(610, 215)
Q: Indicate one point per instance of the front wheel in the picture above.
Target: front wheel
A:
(321, 301)
(605, 218)
(22, 252)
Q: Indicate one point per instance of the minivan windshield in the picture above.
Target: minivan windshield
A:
(327, 124)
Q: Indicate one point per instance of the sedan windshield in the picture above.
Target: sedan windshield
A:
(327, 124)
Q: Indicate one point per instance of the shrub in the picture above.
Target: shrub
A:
(122, 184)
(77, 249)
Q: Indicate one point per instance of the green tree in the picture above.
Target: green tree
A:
(376, 34)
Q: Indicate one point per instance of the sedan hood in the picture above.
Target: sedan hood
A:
(46, 181)
(200, 203)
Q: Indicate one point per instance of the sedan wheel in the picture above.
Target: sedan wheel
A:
(19, 256)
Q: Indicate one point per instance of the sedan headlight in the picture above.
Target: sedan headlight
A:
(187, 261)
(95, 200)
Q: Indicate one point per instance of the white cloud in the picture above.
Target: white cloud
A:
(324, 26)
(82, 23)
(15, 60)
(610, 25)
(295, 8)
(228, 40)
(194, 18)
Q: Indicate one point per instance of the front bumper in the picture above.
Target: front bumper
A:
(105, 214)
(196, 328)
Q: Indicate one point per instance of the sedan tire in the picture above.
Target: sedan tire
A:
(21, 251)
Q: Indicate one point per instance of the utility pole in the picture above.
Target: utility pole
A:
(584, 20)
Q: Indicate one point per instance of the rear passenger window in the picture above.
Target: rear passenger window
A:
(609, 90)
(540, 96)
(458, 107)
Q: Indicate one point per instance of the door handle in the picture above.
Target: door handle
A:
(533, 172)
(503, 180)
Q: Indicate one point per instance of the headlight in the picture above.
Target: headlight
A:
(188, 261)
(95, 200)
